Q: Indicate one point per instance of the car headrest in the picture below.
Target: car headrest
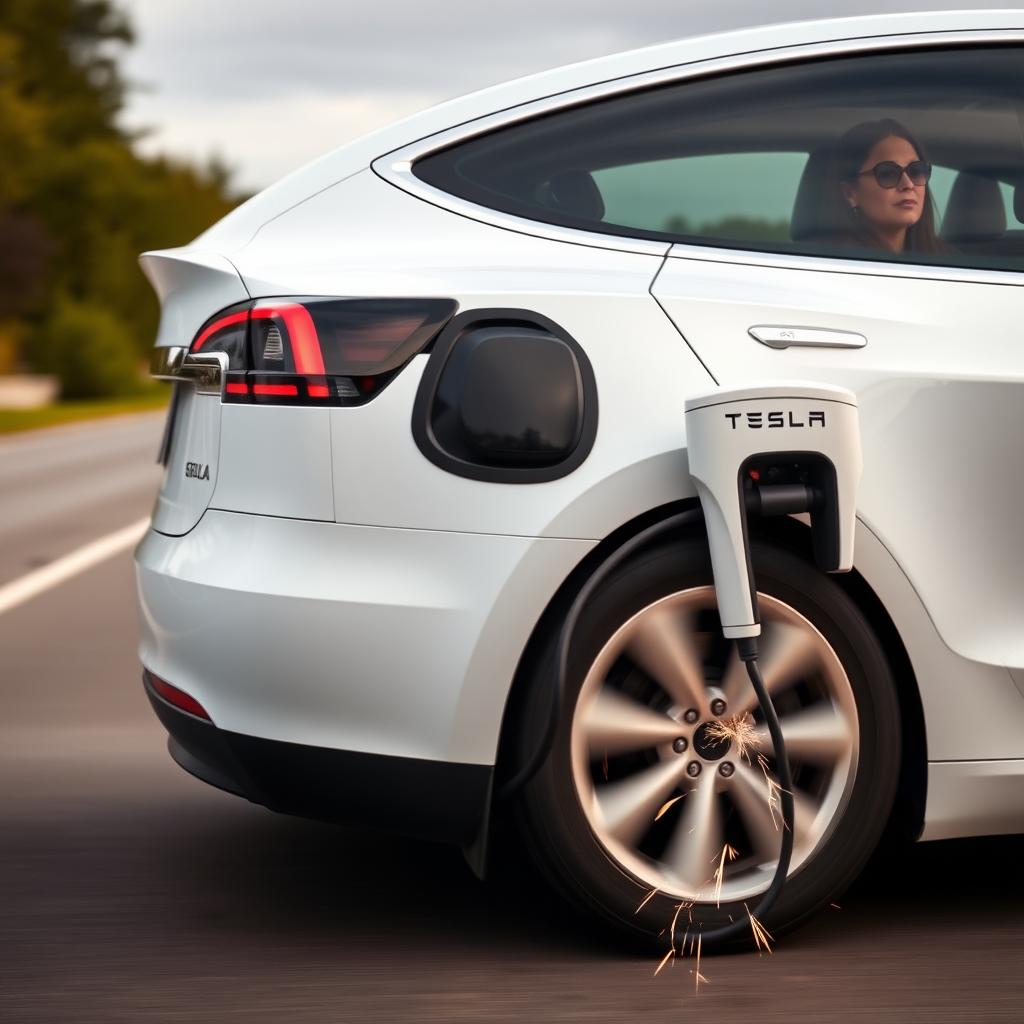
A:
(811, 217)
(574, 192)
(975, 211)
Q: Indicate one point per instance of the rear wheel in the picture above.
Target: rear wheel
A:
(658, 808)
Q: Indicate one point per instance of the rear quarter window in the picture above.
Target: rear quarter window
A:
(762, 159)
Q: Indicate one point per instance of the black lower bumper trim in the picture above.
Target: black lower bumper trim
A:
(436, 800)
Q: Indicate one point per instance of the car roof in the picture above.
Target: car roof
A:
(237, 229)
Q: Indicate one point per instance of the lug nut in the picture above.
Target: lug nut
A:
(718, 707)
(692, 715)
(680, 744)
(693, 769)
(725, 769)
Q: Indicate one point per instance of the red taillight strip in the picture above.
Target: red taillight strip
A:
(237, 389)
(275, 389)
(178, 698)
(217, 325)
(301, 331)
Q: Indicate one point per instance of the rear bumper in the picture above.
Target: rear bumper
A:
(434, 800)
(401, 643)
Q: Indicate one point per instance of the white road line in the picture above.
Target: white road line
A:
(28, 586)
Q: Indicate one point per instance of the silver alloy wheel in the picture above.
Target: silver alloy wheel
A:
(663, 800)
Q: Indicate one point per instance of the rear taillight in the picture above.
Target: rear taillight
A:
(318, 351)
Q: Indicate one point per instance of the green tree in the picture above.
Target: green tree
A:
(77, 204)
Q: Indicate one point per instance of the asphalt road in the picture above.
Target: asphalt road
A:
(132, 892)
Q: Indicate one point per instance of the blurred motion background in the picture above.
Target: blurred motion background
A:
(130, 890)
(133, 125)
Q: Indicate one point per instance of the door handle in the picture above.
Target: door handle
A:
(805, 337)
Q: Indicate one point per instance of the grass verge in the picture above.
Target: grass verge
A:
(13, 420)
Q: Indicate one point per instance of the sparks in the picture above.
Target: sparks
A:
(774, 789)
(666, 806)
(698, 977)
(761, 936)
(665, 959)
(643, 902)
(727, 852)
(739, 729)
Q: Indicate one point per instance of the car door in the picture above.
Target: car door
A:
(929, 341)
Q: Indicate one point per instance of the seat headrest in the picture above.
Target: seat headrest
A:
(975, 211)
(574, 192)
(811, 217)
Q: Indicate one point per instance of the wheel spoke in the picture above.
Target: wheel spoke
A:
(736, 686)
(628, 807)
(818, 734)
(749, 791)
(663, 646)
(787, 654)
(615, 724)
(696, 845)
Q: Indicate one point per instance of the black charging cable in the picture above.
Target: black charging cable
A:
(747, 650)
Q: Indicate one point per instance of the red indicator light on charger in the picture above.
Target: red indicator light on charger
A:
(275, 389)
(755, 475)
(177, 697)
(237, 389)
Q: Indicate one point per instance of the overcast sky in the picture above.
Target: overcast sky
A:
(267, 85)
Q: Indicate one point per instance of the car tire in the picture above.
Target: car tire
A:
(644, 644)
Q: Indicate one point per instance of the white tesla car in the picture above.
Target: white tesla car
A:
(429, 382)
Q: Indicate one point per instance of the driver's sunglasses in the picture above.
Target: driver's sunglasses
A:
(888, 173)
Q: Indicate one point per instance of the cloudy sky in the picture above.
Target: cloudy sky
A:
(267, 85)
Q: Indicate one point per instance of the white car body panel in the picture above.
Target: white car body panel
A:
(940, 385)
(951, 686)
(405, 595)
(187, 490)
(597, 294)
(275, 465)
(351, 637)
(191, 284)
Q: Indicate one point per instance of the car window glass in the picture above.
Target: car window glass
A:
(722, 195)
(769, 159)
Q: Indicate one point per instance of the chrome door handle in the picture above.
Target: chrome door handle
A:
(205, 369)
(805, 337)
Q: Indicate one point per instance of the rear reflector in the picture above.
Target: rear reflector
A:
(319, 351)
(177, 697)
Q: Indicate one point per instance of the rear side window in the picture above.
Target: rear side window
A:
(787, 159)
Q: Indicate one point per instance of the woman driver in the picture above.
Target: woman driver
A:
(880, 197)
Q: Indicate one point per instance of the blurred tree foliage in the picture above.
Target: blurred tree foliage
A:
(77, 204)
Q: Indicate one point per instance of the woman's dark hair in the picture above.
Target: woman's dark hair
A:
(848, 157)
